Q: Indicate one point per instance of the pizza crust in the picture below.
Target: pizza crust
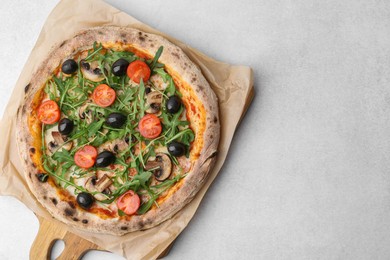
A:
(182, 69)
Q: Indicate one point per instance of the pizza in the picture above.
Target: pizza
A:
(118, 130)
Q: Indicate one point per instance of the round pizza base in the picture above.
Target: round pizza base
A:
(183, 70)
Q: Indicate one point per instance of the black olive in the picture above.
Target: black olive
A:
(69, 66)
(85, 200)
(176, 148)
(65, 126)
(148, 90)
(119, 67)
(173, 104)
(42, 177)
(104, 159)
(115, 120)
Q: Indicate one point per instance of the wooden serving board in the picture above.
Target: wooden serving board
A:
(75, 246)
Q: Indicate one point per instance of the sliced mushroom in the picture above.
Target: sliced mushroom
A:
(101, 185)
(91, 71)
(85, 113)
(154, 100)
(158, 82)
(118, 146)
(161, 166)
(58, 142)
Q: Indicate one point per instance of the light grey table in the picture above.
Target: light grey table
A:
(307, 176)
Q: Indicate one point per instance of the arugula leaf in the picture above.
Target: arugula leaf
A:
(143, 178)
(48, 90)
(99, 140)
(121, 213)
(94, 127)
(63, 156)
(146, 206)
(141, 98)
(171, 89)
(186, 136)
(160, 71)
(162, 187)
(156, 57)
(96, 49)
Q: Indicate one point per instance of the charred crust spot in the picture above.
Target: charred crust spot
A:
(17, 112)
(71, 204)
(147, 221)
(62, 44)
(85, 221)
(140, 33)
(100, 32)
(27, 87)
(176, 55)
(152, 45)
(215, 119)
(142, 39)
(193, 80)
(54, 200)
(33, 165)
(123, 35)
(211, 136)
(69, 212)
(44, 197)
(32, 150)
(123, 228)
(141, 225)
(29, 175)
(75, 219)
(200, 87)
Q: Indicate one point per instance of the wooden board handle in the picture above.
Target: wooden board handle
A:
(49, 233)
(75, 247)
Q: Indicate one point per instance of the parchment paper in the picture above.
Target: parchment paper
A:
(232, 84)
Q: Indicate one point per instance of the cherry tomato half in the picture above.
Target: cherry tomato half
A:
(129, 202)
(150, 126)
(85, 157)
(138, 70)
(49, 112)
(103, 95)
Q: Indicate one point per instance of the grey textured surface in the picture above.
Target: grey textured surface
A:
(307, 176)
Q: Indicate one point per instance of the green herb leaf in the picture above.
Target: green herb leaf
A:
(146, 206)
(156, 57)
(121, 213)
(141, 98)
(94, 127)
(63, 156)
